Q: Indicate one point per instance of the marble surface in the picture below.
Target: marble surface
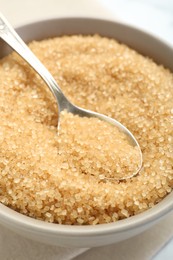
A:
(155, 16)
(166, 252)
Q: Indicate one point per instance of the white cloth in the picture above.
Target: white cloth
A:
(140, 247)
(14, 247)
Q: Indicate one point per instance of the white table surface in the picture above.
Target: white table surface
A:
(155, 16)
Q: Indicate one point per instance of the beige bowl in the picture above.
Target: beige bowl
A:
(103, 234)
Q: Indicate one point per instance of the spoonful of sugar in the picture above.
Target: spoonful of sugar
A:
(113, 151)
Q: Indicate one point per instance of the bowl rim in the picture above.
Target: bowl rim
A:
(99, 19)
(8, 215)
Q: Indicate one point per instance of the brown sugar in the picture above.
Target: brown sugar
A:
(56, 177)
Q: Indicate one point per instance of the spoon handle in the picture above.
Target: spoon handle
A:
(9, 35)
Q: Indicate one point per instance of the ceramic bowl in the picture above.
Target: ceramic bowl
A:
(102, 234)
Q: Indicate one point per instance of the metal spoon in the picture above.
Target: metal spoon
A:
(9, 35)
